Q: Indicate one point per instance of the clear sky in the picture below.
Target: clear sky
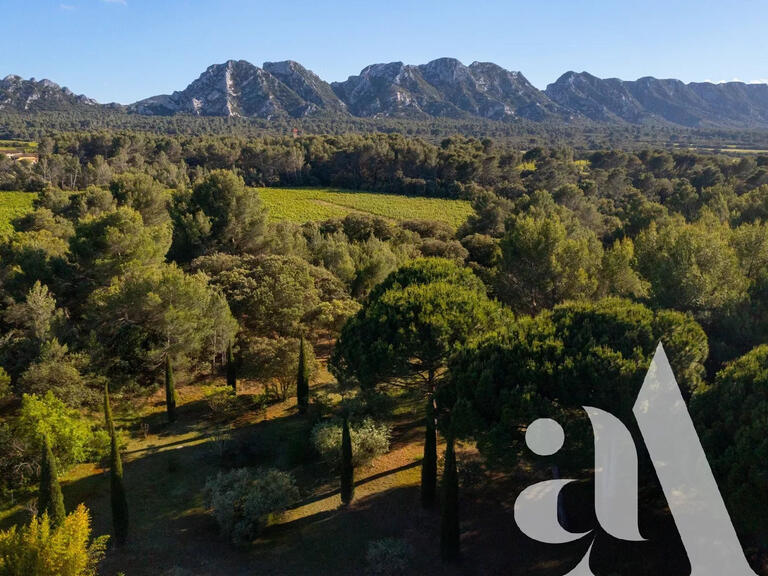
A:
(125, 50)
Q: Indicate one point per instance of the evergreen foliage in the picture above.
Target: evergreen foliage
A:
(117, 487)
(170, 390)
(231, 369)
(347, 467)
(50, 500)
(302, 379)
(450, 545)
(429, 462)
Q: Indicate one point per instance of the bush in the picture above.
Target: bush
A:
(39, 549)
(275, 362)
(245, 502)
(388, 557)
(61, 372)
(73, 438)
(369, 440)
(5, 385)
(221, 400)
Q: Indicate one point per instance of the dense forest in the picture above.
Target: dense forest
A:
(580, 134)
(149, 267)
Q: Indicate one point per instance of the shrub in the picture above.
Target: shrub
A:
(40, 549)
(388, 557)
(245, 502)
(221, 400)
(275, 362)
(73, 438)
(5, 385)
(369, 440)
(61, 372)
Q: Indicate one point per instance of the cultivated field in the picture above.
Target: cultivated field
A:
(13, 205)
(307, 204)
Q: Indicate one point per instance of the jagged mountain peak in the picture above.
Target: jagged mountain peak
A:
(307, 85)
(667, 100)
(444, 87)
(19, 95)
(239, 88)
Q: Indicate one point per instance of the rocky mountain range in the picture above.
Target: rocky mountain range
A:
(443, 88)
(733, 104)
(32, 95)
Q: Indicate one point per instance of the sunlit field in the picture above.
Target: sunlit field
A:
(313, 204)
(13, 205)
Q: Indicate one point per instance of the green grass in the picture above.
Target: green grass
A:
(13, 205)
(314, 204)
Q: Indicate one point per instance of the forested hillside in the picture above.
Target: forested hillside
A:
(232, 380)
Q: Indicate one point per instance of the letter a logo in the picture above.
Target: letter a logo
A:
(681, 465)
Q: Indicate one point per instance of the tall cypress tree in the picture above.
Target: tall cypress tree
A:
(119, 501)
(302, 379)
(429, 462)
(231, 370)
(49, 498)
(347, 469)
(170, 390)
(108, 412)
(450, 544)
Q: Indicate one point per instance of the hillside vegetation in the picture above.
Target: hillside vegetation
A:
(311, 355)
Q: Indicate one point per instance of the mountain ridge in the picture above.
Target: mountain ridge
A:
(441, 88)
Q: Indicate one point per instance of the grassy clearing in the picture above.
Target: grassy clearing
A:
(166, 467)
(172, 534)
(313, 204)
(13, 205)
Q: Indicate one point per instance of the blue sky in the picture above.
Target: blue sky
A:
(124, 50)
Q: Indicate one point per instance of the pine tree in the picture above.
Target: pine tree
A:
(231, 370)
(347, 469)
(429, 462)
(119, 501)
(450, 546)
(170, 390)
(302, 379)
(50, 499)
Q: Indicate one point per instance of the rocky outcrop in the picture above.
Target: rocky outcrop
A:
(19, 95)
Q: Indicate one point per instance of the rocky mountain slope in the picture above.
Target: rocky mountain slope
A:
(19, 95)
(698, 104)
(235, 88)
(442, 88)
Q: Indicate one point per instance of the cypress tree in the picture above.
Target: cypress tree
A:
(450, 545)
(429, 462)
(108, 412)
(231, 371)
(347, 469)
(117, 494)
(170, 390)
(49, 498)
(302, 380)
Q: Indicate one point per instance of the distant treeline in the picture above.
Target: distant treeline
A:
(452, 167)
(521, 133)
